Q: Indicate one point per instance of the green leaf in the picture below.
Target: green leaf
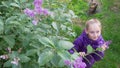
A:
(14, 22)
(61, 63)
(45, 57)
(46, 26)
(55, 60)
(10, 19)
(64, 55)
(31, 64)
(24, 58)
(7, 63)
(10, 40)
(1, 26)
(75, 55)
(45, 41)
(55, 26)
(63, 27)
(65, 44)
(89, 49)
(31, 52)
(16, 1)
(4, 4)
(26, 39)
(16, 66)
(15, 5)
(23, 1)
(13, 55)
(99, 49)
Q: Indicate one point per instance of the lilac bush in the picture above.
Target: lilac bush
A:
(25, 45)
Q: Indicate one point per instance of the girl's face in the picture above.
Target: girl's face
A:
(93, 31)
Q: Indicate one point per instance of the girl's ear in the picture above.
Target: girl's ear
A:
(86, 31)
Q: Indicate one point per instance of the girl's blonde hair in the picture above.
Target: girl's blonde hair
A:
(92, 21)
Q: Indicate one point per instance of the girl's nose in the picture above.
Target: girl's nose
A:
(95, 35)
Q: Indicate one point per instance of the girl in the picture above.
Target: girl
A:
(90, 36)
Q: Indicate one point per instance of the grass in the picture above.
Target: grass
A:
(110, 18)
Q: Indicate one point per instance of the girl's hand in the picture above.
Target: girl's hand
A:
(104, 47)
(82, 54)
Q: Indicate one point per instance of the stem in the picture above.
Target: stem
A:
(98, 55)
(87, 60)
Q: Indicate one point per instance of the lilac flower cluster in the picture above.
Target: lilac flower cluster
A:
(108, 43)
(38, 10)
(38, 7)
(4, 57)
(15, 61)
(29, 12)
(76, 64)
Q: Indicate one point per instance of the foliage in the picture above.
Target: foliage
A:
(24, 44)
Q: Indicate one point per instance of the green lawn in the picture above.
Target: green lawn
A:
(110, 18)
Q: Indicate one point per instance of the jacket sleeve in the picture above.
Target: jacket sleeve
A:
(78, 46)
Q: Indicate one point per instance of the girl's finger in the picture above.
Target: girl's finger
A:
(82, 53)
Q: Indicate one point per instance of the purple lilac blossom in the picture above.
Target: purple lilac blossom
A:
(38, 6)
(79, 59)
(35, 22)
(45, 12)
(15, 61)
(2, 56)
(29, 12)
(78, 63)
(108, 43)
(37, 3)
(38, 10)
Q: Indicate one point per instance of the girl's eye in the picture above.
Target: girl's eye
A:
(91, 32)
(97, 32)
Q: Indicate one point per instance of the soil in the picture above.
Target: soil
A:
(116, 6)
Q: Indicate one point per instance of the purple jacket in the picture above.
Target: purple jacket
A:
(80, 45)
